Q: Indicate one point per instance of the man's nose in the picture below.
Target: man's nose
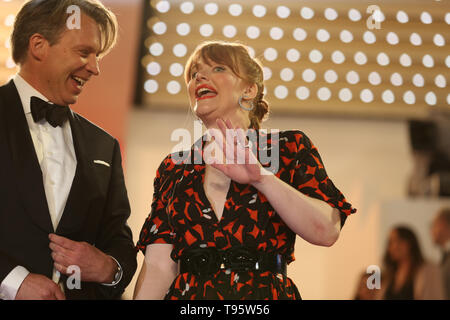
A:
(93, 66)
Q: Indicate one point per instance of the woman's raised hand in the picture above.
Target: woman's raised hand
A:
(233, 154)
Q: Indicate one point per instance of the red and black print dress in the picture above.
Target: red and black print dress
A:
(182, 215)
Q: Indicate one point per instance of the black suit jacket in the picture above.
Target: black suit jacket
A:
(445, 266)
(97, 208)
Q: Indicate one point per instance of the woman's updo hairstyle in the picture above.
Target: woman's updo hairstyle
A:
(235, 56)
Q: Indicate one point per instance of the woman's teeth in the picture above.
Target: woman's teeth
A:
(204, 91)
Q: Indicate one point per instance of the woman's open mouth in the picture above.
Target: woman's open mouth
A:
(205, 91)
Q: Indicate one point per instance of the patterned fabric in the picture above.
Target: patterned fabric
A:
(182, 215)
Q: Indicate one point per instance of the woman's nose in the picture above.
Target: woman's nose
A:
(201, 75)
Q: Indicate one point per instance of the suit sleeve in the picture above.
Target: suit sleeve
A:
(7, 264)
(115, 238)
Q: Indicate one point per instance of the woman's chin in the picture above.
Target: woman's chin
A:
(202, 109)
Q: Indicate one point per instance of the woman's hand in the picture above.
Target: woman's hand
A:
(311, 219)
(236, 159)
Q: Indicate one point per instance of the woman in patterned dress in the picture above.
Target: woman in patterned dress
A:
(220, 228)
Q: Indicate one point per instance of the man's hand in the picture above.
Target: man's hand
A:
(39, 287)
(95, 265)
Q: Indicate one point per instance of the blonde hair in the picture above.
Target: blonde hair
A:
(235, 56)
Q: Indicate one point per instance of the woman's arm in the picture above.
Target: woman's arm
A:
(157, 273)
(312, 219)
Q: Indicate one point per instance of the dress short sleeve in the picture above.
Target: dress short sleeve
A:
(157, 228)
(306, 172)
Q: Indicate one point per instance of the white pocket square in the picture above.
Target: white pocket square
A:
(102, 162)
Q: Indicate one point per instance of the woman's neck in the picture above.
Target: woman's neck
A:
(238, 120)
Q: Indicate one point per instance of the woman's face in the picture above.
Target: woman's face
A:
(398, 249)
(214, 89)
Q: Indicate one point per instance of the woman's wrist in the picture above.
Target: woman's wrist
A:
(263, 179)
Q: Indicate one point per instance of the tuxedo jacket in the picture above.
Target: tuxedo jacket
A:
(97, 207)
(446, 274)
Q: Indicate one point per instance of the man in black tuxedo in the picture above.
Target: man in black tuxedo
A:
(63, 201)
(441, 237)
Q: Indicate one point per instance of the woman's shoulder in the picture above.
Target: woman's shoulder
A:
(428, 267)
(296, 134)
(281, 133)
(428, 282)
(171, 162)
(426, 271)
(294, 139)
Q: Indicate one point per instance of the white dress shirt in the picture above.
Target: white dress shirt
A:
(56, 155)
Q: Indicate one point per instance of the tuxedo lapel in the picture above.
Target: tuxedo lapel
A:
(83, 186)
(25, 162)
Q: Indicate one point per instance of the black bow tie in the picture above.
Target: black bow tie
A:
(54, 114)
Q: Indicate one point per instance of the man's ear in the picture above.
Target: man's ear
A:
(251, 91)
(38, 47)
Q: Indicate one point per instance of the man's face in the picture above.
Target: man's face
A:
(70, 63)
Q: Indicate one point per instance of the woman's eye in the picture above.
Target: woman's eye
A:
(193, 75)
(219, 68)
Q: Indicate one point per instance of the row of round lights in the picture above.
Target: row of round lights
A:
(324, 94)
(9, 22)
(352, 77)
(283, 12)
(10, 64)
(365, 95)
(360, 58)
(309, 75)
(315, 56)
(293, 55)
(299, 34)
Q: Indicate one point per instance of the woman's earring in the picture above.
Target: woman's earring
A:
(252, 106)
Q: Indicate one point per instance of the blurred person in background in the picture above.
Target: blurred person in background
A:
(407, 275)
(441, 237)
(362, 290)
